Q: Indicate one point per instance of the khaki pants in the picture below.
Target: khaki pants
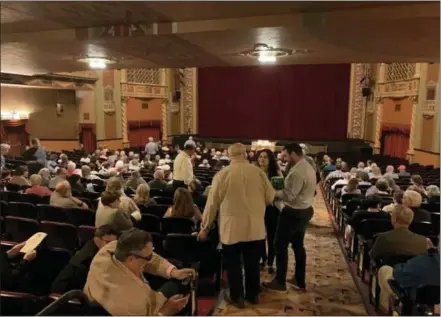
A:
(385, 273)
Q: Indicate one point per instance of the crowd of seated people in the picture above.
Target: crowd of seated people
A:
(389, 218)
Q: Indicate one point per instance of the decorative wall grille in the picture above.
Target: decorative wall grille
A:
(400, 71)
(144, 76)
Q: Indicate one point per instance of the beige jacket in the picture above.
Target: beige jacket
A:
(118, 290)
(240, 193)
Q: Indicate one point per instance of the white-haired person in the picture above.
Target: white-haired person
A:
(158, 181)
(191, 142)
(134, 164)
(308, 158)
(62, 197)
(36, 187)
(413, 200)
(343, 181)
(381, 187)
(71, 168)
(361, 166)
(433, 194)
(86, 172)
(204, 164)
(390, 171)
(167, 159)
(4, 148)
(45, 176)
(151, 147)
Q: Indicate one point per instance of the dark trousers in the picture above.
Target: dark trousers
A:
(271, 219)
(291, 229)
(178, 184)
(238, 256)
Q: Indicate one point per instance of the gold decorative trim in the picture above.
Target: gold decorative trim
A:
(164, 114)
(398, 89)
(143, 91)
(125, 135)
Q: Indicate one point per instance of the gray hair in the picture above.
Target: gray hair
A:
(85, 170)
(432, 191)
(44, 172)
(131, 242)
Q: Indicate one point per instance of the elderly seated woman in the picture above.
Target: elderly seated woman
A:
(381, 188)
(20, 176)
(45, 176)
(413, 200)
(62, 197)
(390, 171)
(86, 173)
(142, 196)
(36, 188)
(204, 163)
(134, 164)
(433, 194)
(114, 185)
(183, 206)
(158, 181)
(135, 180)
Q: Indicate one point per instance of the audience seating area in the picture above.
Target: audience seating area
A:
(413, 301)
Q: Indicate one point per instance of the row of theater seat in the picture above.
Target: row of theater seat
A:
(364, 236)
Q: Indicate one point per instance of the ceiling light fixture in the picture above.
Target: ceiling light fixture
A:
(97, 62)
(268, 55)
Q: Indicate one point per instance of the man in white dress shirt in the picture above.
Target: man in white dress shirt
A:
(183, 168)
(151, 147)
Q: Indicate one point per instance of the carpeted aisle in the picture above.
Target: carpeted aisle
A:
(331, 289)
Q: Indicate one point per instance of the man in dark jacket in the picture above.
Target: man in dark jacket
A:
(74, 275)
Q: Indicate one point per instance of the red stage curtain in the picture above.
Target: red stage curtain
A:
(395, 141)
(303, 102)
(88, 136)
(16, 135)
(140, 131)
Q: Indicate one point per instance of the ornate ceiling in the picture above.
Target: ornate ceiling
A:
(44, 37)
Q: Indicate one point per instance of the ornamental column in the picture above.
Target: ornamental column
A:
(124, 127)
(164, 125)
(413, 129)
(379, 119)
(189, 101)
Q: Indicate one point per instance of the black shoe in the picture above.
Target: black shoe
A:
(253, 300)
(293, 282)
(275, 286)
(270, 270)
(239, 303)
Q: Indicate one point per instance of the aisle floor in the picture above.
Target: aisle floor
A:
(331, 288)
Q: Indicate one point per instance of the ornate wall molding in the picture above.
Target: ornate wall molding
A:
(164, 126)
(379, 119)
(109, 106)
(398, 89)
(124, 124)
(143, 91)
(413, 131)
(356, 111)
(189, 101)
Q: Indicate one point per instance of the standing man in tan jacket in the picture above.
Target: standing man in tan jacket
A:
(240, 192)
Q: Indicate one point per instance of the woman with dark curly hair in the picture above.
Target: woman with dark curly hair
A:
(267, 162)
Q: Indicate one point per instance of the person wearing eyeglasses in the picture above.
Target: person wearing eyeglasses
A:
(74, 275)
(116, 278)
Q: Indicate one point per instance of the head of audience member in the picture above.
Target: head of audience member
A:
(157, 158)
(134, 250)
(390, 182)
(382, 185)
(325, 159)
(150, 139)
(22, 171)
(292, 153)
(338, 161)
(389, 169)
(412, 199)
(105, 165)
(432, 191)
(114, 185)
(361, 165)
(142, 195)
(305, 149)
(61, 173)
(194, 187)
(362, 176)
(398, 197)
(104, 235)
(135, 175)
(86, 171)
(267, 162)
(251, 155)
(368, 163)
(352, 185)
(205, 163)
(71, 166)
(347, 176)
(35, 180)
(119, 165)
(417, 180)
(63, 189)
(401, 217)
(353, 171)
(4, 148)
(53, 157)
(159, 174)
(237, 151)
(344, 167)
(376, 171)
(64, 159)
(402, 168)
(135, 159)
(35, 143)
(183, 203)
(338, 166)
(372, 203)
(110, 199)
(44, 173)
(190, 149)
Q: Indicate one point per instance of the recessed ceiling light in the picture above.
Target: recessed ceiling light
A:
(268, 54)
(97, 62)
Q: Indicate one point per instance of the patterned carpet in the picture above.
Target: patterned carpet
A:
(331, 289)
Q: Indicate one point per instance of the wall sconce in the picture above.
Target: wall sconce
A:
(14, 115)
(428, 116)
